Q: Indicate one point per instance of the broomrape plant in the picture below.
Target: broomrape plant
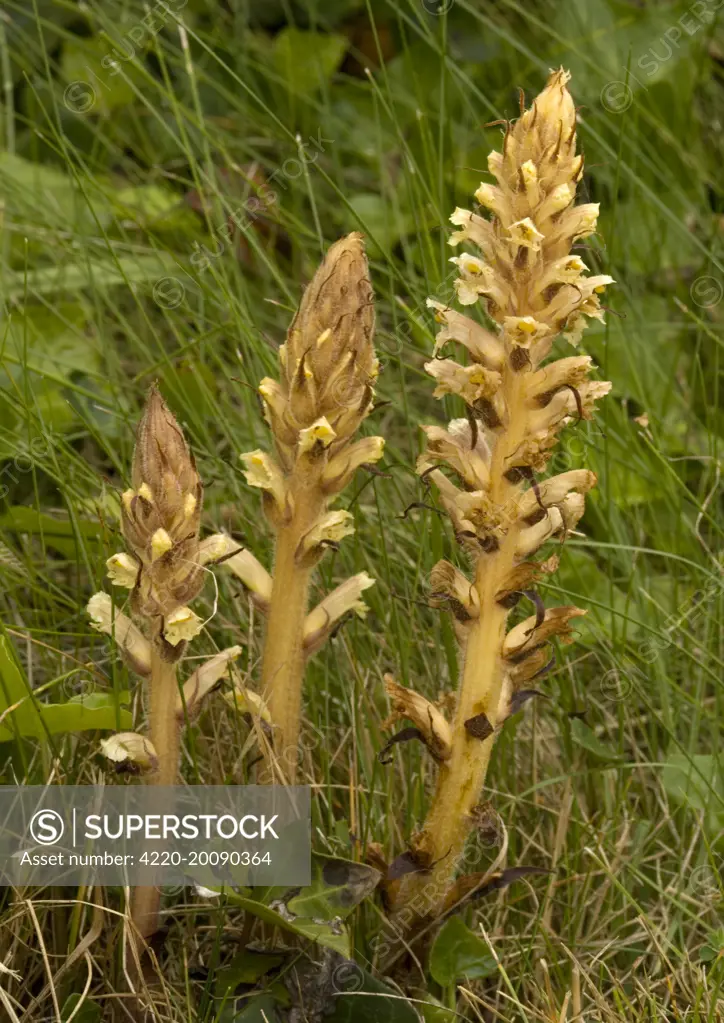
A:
(532, 288)
(324, 392)
(164, 570)
(517, 400)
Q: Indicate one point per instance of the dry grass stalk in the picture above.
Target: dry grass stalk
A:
(327, 371)
(517, 401)
(164, 571)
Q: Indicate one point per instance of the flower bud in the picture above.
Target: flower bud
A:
(161, 513)
(330, 362)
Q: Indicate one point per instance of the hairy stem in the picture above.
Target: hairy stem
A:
(164, 735)
(462, 777)
(534, 289)
(284, 656)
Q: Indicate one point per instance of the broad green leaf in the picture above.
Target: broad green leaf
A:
(641, 356)
(246, 967)
(24, 519)
(611, 38)
(581, 576)
(587, 738)
(432, 1010)
(459, 952)
(41, 349)
(104, 88)
(695, 781)
(153, 205)
(15, 690)
(48, 339)
(58, 533)
(714, 947)
(258, 1009)
(331, 935)
(338, 887)
(306, 60)
(363, 998)
(383, 226)
(95, 273)
(98, 701)
(74, 716)
(89, 1012)
(44, 194)
(22, 715)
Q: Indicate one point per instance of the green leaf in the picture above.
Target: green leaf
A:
(307, 60)
(58, 533)
(15, 689)
(83, 63)
(22, 518)
(153, 205)
(581, 576)
(334, 936)
(459, 952)
(41, 349)
(261, 1009)
(338, 887)
(378, 220)
(714, 946)
(44, 194)
(432, 1010)
(89, 1012)
(587, 738)
(246, 967)
(365, 999)
(30, 719)
(80, 717)
(57, 718)
(98, 701)
(96, 273)
(695, 781)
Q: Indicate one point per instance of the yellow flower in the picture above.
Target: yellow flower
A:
(181, 624)
(122, 570)
(319, 434)
(263, 472)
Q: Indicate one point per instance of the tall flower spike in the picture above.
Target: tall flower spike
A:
(161, 514)
(533, 289)
(160, 517)
(327, 373)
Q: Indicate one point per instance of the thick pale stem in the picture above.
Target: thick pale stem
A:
(284, 657)
(461, 778)
(164, 734)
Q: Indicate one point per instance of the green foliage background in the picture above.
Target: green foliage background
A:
(136, 247)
